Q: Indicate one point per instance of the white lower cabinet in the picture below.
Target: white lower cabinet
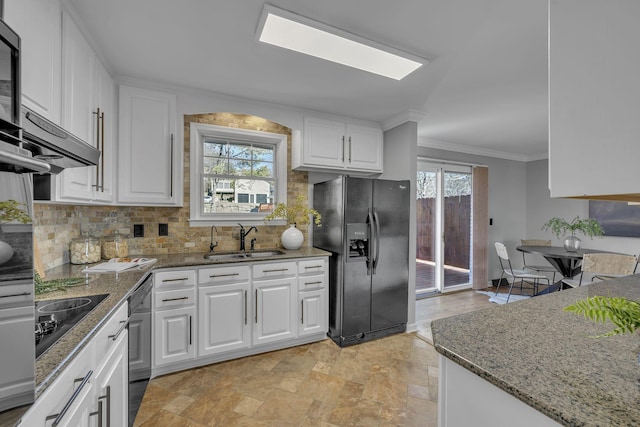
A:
(313, 315)
(275, 310)
(223, 318)
(78, 396)
(174, 335)
(242, 309)
(111, 379)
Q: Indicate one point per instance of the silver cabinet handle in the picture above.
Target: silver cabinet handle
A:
(24, 294)
(302, 311)
(98, 413)
(190, 331)
(123, 325)
(213, 276)
(174, 299)
(342, 148)
(175, 280)
(107, 396)
(58, 417)
(274, 271)
(102, 156)
(256, 306)
(171, 167)
(313, 266)
(313, 283)
(245, 307)
(349, 149)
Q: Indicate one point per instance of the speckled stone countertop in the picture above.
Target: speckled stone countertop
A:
(546, 357)
(58, 356)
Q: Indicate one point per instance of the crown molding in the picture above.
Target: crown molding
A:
(409, 115)
(459, 148)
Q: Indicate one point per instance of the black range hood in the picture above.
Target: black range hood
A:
(50, 143)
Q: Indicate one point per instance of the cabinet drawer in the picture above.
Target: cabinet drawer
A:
(175, 298)
(174, 278)
(311, 266)
(274, 269)
(109, 333)
(226, 274)
(308, 283)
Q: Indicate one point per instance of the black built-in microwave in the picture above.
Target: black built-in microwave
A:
(10, 95)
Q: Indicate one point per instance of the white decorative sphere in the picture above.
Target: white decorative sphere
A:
(292, 238)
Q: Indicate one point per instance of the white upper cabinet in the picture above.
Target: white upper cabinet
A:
(87, 112)
(337, 146)
(149, 155)
(39, 25)
(593, 99)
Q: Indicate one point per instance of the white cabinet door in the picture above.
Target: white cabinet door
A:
(78, 100)
(104, 127)
(139, 357)
(173, 335)
(338, 146)
(39, 26)
(112, 386)
(365, 148)
(149, 154)
(313, 314)
(223, 318)
(323, 142)
(275, 310)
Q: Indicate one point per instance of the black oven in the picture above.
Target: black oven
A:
(139, 345)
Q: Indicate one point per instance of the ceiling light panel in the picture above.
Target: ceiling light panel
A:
(294, 32)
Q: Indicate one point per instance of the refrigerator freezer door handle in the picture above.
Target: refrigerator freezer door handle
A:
(370, 243)
(377, 237)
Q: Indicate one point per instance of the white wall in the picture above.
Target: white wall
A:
(507, 199)
(400, 144)
(541, 207)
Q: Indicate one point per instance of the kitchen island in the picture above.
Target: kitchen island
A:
(532, 363)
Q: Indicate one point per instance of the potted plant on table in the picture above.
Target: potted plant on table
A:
(560, 227)
(297, 213)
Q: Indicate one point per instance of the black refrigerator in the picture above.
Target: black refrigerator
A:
(365, 224)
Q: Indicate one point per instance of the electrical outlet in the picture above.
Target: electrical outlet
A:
(163, 229)
(138, 230)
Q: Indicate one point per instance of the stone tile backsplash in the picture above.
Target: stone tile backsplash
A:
(55, 224)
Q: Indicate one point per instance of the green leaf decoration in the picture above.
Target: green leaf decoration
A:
(42, 287)
(623, 313)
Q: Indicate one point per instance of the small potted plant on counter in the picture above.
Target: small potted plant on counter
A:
(560, 227)
(297, 213)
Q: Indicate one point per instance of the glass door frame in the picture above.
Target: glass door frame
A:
(438, 238)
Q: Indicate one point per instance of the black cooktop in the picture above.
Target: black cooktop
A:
(55, 317)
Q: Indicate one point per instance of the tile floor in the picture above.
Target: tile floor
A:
(388, 382)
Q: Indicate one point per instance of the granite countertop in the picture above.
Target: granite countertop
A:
(547, 358)
(57, 357)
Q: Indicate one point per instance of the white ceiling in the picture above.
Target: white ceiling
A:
(484, 90)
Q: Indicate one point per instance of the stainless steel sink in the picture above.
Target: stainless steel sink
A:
(221, 256)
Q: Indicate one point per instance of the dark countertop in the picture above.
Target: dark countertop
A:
(59, 355)
(546, 357)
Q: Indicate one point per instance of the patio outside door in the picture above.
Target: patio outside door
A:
(443, 214)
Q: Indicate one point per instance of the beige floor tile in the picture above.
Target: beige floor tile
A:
(388, 382)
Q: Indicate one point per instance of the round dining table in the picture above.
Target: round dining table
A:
(568, 263)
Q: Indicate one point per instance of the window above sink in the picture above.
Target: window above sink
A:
(237, 175)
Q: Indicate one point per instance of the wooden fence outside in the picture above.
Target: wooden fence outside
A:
(457, 230)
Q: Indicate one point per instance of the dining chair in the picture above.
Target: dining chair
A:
(604, 266)
(515, 274)
(538, 268)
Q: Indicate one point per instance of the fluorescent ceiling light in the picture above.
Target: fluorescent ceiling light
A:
(290, 31)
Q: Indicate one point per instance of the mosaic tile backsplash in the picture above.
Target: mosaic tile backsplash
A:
(56, 224)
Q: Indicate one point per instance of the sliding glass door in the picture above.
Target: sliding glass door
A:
(443, 211)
